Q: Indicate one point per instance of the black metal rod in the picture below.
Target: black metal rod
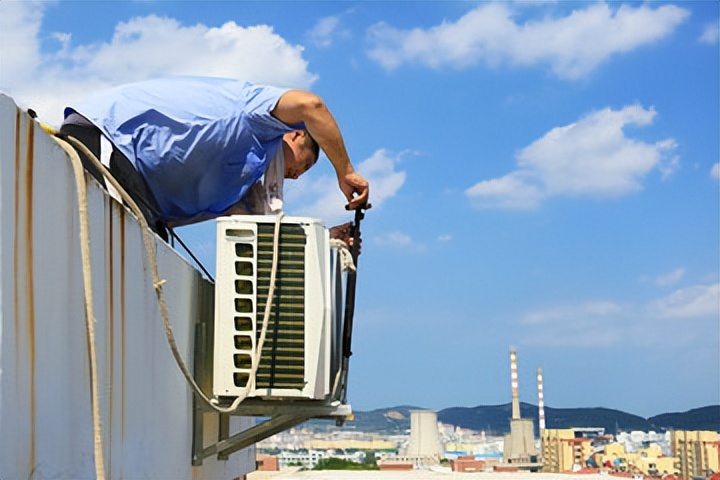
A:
(352, 283)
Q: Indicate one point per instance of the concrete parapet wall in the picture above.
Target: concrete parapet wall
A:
(45, 397)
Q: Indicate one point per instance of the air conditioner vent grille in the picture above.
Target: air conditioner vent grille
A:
(282, 364)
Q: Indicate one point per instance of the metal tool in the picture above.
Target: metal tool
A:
(350, 298)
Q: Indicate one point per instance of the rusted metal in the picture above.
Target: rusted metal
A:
(16, 233)
(16, 242)
(123, 299)
(110, 282)
(198, 411)
(30, 278)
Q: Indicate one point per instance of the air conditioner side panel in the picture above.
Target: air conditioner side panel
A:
(318, 307)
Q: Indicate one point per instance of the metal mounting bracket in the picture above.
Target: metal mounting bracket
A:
(281, 417)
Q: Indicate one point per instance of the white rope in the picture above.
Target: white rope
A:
(266, 316)
(89, 314)
(158, 282)
(270, 299)
(346, 263)
(346, 259)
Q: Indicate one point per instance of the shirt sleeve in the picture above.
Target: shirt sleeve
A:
(260, 102)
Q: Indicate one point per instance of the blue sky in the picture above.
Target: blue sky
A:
(544, 175)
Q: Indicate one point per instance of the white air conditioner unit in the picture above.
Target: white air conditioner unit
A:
(300, 356)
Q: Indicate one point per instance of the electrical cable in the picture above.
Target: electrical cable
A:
(174, 236)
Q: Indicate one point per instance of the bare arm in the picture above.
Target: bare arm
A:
(298, 106)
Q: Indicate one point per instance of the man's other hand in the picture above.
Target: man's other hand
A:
(344, 232)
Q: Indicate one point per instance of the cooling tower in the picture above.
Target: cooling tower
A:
(424, 435)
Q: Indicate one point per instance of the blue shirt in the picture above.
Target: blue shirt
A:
(200, 143)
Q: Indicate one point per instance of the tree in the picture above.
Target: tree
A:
(341, 464)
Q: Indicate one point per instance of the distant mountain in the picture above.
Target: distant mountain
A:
(388, 421)
(705, 418)
(495, 419)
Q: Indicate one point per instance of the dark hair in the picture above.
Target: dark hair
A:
(312, 145)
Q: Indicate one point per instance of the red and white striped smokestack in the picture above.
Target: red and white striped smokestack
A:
(514, 383)
(541, 401)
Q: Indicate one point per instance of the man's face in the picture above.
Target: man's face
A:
(298, 156)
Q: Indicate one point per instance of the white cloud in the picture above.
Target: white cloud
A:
(326, 31)
(671, 163)
(573, 45)
(19, 53)
(592, 156)
(513, 191)
(322, 33)
(577, 335)
(690, 302)
(225, 51)
(710, 35)
(327, 200)
(444, 238)
(715, 171)
(399, 240)
(670, 278)
(593, 324)
(49, 81)
(607, 323)
(572, 313)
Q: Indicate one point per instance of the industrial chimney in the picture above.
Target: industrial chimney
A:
(519, 444)
(514, 383)
(541, 401)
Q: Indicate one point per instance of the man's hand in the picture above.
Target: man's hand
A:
(344, 232)
(298, 106)
(353, 183)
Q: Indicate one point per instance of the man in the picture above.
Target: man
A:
(190, 148)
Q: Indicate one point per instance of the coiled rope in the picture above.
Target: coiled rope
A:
(70, 144)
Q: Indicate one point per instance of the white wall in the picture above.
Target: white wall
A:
(45, 412)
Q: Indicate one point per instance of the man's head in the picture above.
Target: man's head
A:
(301, 152)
